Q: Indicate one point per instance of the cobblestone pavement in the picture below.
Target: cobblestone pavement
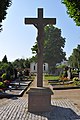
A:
(17, 109)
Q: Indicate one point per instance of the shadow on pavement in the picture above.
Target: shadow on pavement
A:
(60, 113)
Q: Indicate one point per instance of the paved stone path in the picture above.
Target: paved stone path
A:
(17, 109)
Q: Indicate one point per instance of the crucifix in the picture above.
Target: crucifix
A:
(40, 23)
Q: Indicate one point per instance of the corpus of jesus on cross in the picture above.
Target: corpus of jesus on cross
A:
(40, 23)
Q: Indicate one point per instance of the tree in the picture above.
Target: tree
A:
(74, 59)
(73, 9)
(33, 58)
(6, 68)
(53, 46)
(21, 63)
(4, 4)
(4, 60)
(34, 48)
(27, 63)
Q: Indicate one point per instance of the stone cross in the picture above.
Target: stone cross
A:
(40, 23)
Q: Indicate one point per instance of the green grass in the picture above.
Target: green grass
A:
(50, 77)
(32, 77)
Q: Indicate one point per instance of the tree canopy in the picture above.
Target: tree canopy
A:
(4, 60)
(4, 4)
(53, 46)
(74, 59)
(73, 9)
(21, 63)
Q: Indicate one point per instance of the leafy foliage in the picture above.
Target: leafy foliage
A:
(73, 9)
(53, 46)
(76, 81)
(2, 85)
(74, 59)
(21, 63)
(35, 48)
(33, 59)
(4, 60)
(6, 68)
(61, 66)
(6, 76)
(4, 4)
(27, 63)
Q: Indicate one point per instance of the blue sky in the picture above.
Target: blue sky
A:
(16, 39)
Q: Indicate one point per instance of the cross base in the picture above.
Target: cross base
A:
(39, 99)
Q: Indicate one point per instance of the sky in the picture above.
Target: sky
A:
(17, 39)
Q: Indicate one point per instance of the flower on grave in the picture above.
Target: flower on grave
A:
(6, 82)
(61, 78)
(64, 78)
(1, 90)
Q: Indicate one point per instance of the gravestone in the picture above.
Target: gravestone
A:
(69, 73)
(39, 94)
(79, 75)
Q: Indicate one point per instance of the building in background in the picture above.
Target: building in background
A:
(33, 67)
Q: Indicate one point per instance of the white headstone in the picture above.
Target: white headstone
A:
(69, 74)
(79, 75)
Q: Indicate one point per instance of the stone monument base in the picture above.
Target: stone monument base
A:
(39, 99)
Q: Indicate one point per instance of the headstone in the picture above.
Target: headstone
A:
(69, 74)
(79, 75)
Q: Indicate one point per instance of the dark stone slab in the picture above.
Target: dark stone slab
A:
(66, 88)
(16, 90)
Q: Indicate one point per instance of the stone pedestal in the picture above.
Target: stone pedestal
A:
(39, 99)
